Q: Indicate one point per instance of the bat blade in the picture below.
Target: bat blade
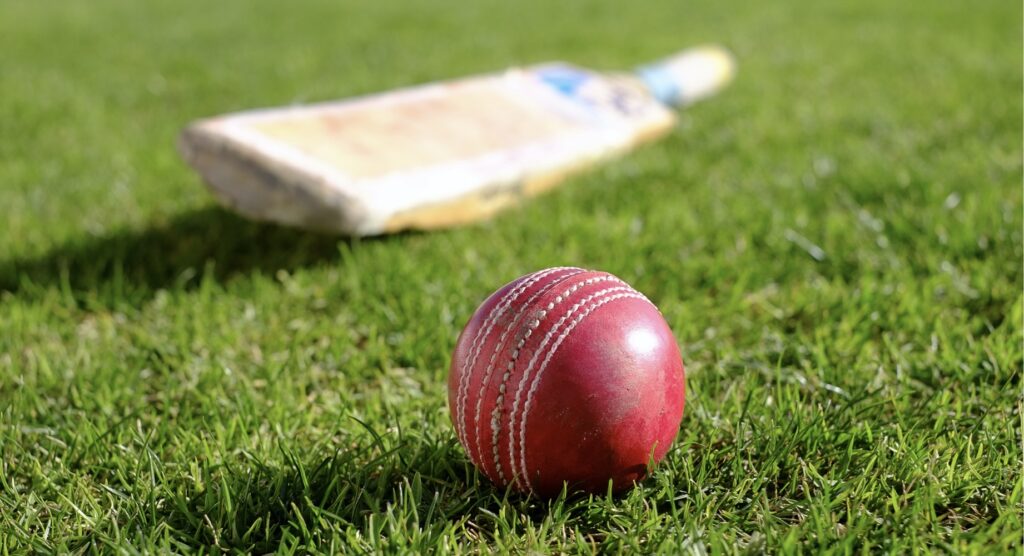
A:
(431, 156)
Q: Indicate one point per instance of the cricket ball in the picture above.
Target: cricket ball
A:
(567, 377)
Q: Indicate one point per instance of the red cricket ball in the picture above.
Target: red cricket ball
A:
(566, 376)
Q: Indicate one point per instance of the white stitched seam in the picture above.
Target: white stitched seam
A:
(497, 348)
(540, 349)
(496, 412)
(475, 347)
(540, 371)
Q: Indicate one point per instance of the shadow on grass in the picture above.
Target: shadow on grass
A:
(129, 267)
(299, 499)
(404, 494)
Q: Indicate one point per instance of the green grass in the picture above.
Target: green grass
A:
(836, 242)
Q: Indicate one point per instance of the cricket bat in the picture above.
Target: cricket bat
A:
(441, 154)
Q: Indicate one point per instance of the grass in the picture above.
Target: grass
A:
(836, 242)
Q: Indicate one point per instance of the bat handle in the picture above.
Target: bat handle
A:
(689, 76)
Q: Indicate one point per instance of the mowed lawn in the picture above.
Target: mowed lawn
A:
(835, 241)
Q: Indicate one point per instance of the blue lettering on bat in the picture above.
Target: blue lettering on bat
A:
(591, 91)
(565, 80)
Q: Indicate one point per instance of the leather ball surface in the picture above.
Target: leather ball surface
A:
(566, 376)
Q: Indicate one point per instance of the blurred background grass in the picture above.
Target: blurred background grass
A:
(835, 240)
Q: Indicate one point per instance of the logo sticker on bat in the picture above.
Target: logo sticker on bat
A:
(603, 93)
